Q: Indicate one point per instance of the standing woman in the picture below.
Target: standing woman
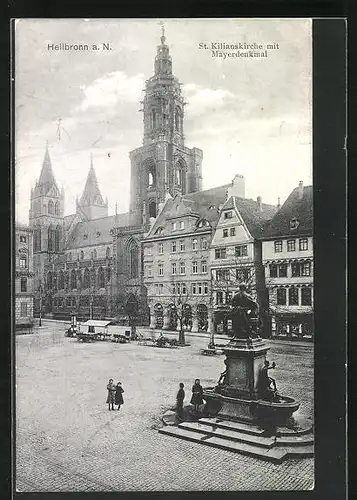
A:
(111, 394)
(119, 395)
(197, 393)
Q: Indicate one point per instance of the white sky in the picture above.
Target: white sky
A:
(249, 116)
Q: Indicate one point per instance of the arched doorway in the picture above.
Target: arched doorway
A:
(202, 317)
(159, 316)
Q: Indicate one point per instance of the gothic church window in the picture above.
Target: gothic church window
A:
(49, 280)
(133, 260)
(108, 252)
(57, 211)
(101, 279)
(44, 209)
(37, 240)
(82, 255)
(152, 209)
(86, 278)
(61, 280)
(50, 207)
(73, 279)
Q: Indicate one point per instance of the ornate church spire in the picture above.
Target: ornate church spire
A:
(91, 203)
(163, 61)
(47, 178)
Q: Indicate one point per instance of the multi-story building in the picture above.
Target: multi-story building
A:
(236, 256)
(24, 276)
(176, 254)
(287, 246)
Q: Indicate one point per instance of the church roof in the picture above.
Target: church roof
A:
(47, 178)
(91, 194)
(97, 231)
(298, 205)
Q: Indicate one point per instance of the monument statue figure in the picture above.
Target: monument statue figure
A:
(244, 310)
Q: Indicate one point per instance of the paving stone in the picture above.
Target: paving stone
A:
(67, 440)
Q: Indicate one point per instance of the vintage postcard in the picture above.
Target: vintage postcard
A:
(164, 289)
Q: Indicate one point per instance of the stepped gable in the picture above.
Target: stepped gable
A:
(298, 205)
(97, 231)
(47, 178)
(254, 218)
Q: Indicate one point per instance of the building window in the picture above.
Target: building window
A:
(182, 224)
(108, 253)
(194, 244)
(294, 224)
(182, 246)
(228, 215)
(23, 285)
(174, 226)
(305, 269)
(161, 269)
(194, 267)
(86, 278)
(293, 296)
(295, 269)
(199, 288)
(161, 248)
(23, 261)
(149, 268)
(204, 266)
(23, 309)
(273, 270)
(282, 270)
(223, 275)
(204, 244)
(303, 244)
(194, 288)
(241, 251)
(281, 296)
(205, 288)
(242, 274)
(82, 255)
(219, 298)
(220, 253)
(23, 239)
(174, 268)
(278, 246)
(225, 233)
(73, 280)
(101, 279)
(182, 268)
(94, 254)
(173, 246)
(232, 231)
(306, 296)
(291, 245)
(37, 240)
(159, 230)
(57, 212)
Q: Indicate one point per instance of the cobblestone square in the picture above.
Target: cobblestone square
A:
(67, 440)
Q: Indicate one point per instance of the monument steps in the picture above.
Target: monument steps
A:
(265, 442)
(275, 454)
(237, 426)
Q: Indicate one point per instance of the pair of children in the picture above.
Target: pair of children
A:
(115, 394)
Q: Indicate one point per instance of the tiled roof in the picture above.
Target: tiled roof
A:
(254, 218)
(295, 207)
(96, 231)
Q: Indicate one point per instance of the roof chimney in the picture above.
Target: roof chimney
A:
(259, 203)
(300, 190)
(278, 205)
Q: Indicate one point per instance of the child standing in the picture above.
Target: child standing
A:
(119, 395)
(179, 400)
(111, 394)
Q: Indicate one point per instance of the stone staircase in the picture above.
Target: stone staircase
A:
(245, 438)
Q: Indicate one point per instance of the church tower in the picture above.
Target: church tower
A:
(91, 205)
(163, 164)
(46, 216)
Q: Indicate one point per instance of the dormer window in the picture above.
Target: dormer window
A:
(159, 230)
(182, 224)
(294, 224)
(98, 234)
(202, 223)
(85, 236)
(228, 215)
